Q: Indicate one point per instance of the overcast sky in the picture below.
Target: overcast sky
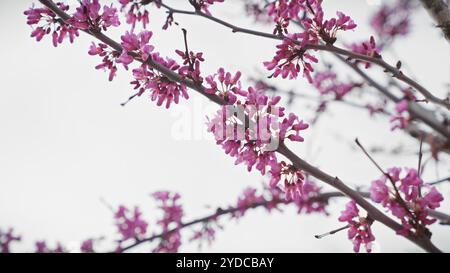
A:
(66, 143)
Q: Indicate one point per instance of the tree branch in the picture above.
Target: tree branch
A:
(375, 214)
(397, 73)
(323, 197)
(438, 9)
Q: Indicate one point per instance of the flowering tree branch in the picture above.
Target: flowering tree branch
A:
(396, 72)
(274, 202)
(415, 110)
(135, 48)
(439, 10)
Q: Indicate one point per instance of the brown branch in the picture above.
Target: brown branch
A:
(374, 213)
(439, 10)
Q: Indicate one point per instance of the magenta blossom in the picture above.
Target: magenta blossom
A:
(6, 238)
(391, 21)
(135, 43)
(162, 89)
(225, 85)
(87, 16)
(130, 223)
(110, 58)
(359, 231)
(410, 205)
(191, 65)
(291, 57)
(45, 22)
(136, 12)
(170, 221)
(368, 48)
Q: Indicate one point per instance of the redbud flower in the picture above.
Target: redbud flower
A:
(327, 83)
(172, 219)
(136, 43)
(136, 12)
(87, 246)
(401, 119)
(87, 16)
(41, 247)
(191, 65)
(402, 197)
(45, 22)
(110, 58)
(291, 57)
(359, 231)
(130, 223)
(162, 89)
(368, 48)
(391, 21)
(225, 85)
(6, 238)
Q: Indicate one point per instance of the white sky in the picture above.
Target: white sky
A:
(65, 141)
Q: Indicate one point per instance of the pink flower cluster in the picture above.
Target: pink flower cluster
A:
(162, 89)
(136, 12)
(401, 119)
(41, 247)
(204, 4)
(191, 65)
(225, 85)
(137, 44)
(110, 58)
(392, 20)
(251, 129)
(170, 222)
(292, 178)
(45, 22)
(291, 54)
(326, 82)
(367, 48)
(6, 238)
(291, 57)
(407, 198)
(130, 223)
(87, 16)
(359, 228)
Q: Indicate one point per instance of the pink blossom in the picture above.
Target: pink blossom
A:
(170, 222)
(87, 16)
(291, 57)
(6, 238)
(45, 22)
(327, 83)
(87, 246)
(379, 192)
(359, 231)
(368, 48)
(401, 119)
(136, 43)
(162, 89)
(405, 201)
(130, 223)
(191, 65)
(225, 85)
(110, 58)
(392, 20)
(136, 12)
(41, 247)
